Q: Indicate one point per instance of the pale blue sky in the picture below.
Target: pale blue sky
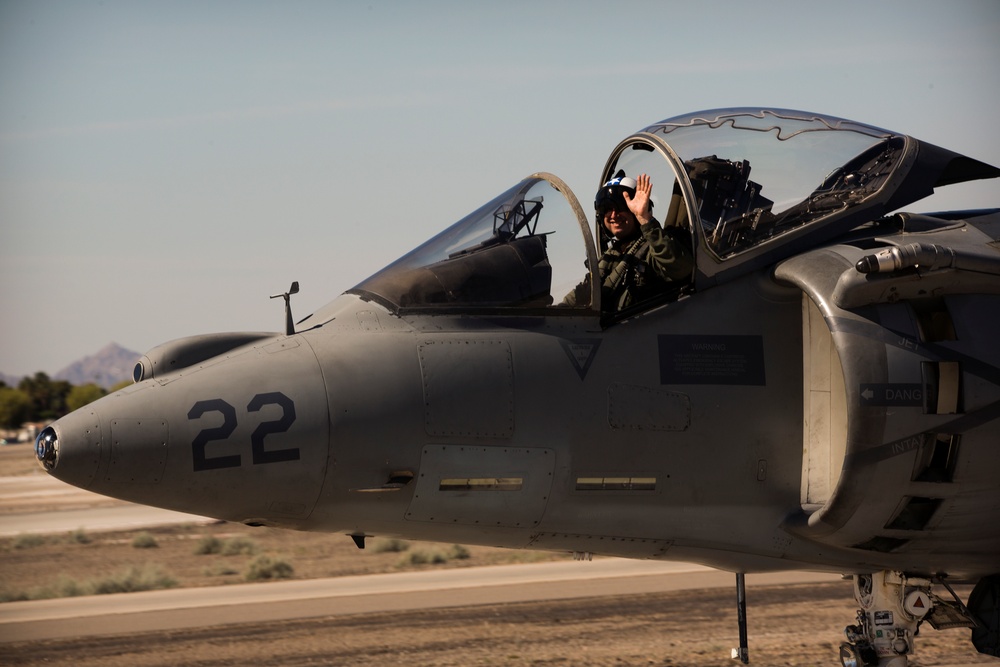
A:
(165, 166)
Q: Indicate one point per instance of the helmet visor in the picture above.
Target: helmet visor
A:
(610, 199)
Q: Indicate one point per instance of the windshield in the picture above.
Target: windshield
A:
(757, 174)
(524, 249)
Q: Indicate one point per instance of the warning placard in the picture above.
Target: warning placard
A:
(694, 359)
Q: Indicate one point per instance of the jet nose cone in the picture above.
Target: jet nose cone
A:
(70, 448)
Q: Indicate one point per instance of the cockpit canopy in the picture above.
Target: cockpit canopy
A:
(524, 249)
(760, 184)
(768, 174)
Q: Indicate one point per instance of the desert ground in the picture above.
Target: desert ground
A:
(792, 625)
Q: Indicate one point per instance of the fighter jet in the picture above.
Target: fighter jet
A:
(818, 388)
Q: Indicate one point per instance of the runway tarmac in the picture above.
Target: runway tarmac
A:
(43, 504)
(247, 603)
(40, 504)
(64, 508)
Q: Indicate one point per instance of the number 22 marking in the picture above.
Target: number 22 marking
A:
(259, 455)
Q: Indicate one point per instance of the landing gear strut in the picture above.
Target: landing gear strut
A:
(892, 608)
(743, 652)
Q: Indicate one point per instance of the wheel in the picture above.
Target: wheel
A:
(984, 603)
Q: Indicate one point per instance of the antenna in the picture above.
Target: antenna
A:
(289, 324)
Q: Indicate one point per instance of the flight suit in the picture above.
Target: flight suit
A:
(640, 268)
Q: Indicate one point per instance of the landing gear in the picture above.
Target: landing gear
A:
(743, 652)
(892, 608)
(984, 603)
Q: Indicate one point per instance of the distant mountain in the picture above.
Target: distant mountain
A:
(109, 366)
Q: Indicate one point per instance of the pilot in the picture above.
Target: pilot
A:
(640, 259)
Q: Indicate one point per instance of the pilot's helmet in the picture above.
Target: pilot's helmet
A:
(611, 198)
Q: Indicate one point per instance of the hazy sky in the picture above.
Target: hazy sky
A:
(165, 166)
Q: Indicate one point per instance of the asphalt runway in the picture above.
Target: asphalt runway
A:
(43, 504)
(405, 591)
(63, 508)
(40, 504)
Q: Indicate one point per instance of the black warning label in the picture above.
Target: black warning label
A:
(693, 359)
